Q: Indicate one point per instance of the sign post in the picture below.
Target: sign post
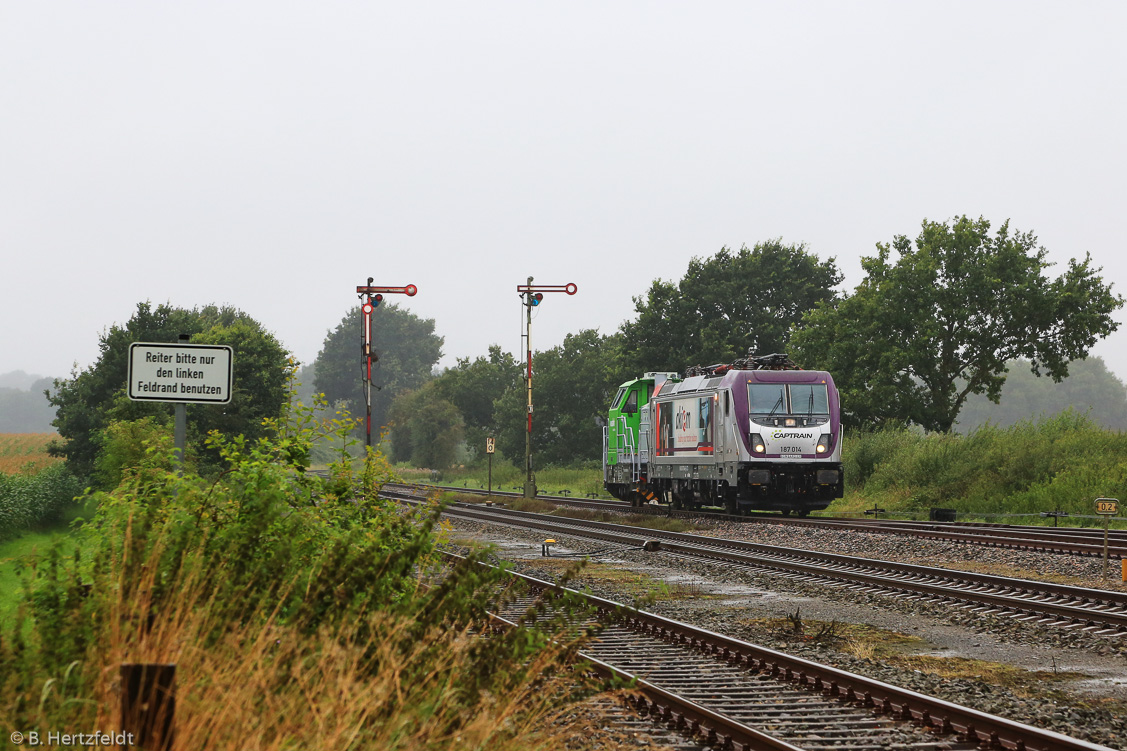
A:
(180, 373)
(372, 296)
(490, 447)
(1107, 508)
(533, 295)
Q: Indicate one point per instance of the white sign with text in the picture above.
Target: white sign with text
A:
(197, 373)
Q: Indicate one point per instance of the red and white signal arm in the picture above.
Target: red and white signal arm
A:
(490, 446)
(1107, 506)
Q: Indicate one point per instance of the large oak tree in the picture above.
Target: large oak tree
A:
(936, 320)
(726, 305)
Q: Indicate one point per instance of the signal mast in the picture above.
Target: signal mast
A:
(532, 296)
(372, 297)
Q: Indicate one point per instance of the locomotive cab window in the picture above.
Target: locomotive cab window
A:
(766, 398)
(788, 399)
(631, 405)
(809, 399)
(618, 398)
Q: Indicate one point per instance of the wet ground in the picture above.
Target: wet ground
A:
(727, 600)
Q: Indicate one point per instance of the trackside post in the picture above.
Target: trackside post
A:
(1107, 508)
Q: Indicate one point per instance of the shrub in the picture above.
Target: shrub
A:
(301, 612)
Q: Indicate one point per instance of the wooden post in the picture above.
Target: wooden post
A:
(148, 704)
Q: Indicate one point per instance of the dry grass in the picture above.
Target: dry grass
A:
(632, 583)
(269, 687)
(25, 453)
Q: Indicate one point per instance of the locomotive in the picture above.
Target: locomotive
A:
(756, 434)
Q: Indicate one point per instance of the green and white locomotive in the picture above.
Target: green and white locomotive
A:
(757, 434)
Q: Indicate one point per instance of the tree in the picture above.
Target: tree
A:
(572, 387)
(426, 428)
(474, 387)
(921, 334)
(1089, 388)
(26, 411)
(408, 350)
(727, 305)
(90, 400)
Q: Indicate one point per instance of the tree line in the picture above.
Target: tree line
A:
(936, 324)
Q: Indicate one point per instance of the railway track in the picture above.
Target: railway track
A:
(1103, 612)
(1065, 540)
(734, 695)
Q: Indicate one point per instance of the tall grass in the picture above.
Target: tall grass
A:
(1056, 463)
(581, 480)
(300, 612)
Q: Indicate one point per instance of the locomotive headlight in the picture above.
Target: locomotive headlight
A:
(757, 445)
(823, 443)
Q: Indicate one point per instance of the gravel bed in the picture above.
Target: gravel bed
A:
(1094, 709)
(1083, 571)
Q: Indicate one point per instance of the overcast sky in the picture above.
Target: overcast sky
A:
(273, 155)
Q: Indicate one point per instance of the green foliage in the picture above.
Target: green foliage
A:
(122, 446)
(426, 428)
(1060, 462)
(726, 306)
(29, 501)
(281, 572)
(920, 335)
(572, 386)
(406, 345)
(474, 388)
(89, 400)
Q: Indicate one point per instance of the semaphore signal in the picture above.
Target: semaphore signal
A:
(532, 296)
(372, 297)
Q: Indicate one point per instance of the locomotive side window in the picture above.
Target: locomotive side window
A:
(809, 399)
(631, 406)
(766, 398)
(618, 397)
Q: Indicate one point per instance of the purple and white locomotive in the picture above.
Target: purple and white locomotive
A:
(757, 434)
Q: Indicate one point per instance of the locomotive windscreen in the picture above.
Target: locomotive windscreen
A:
(788, 399)
(766, 398)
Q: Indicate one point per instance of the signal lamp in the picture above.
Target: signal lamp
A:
(537, 298)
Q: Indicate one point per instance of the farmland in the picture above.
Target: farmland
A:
(25, 453)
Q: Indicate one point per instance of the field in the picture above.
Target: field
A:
(25, 453)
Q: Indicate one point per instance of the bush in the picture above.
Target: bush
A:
(1060, 462)
(303, 612)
